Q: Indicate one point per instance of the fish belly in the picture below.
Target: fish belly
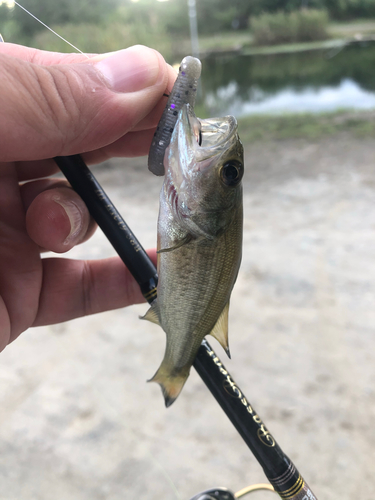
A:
(195, 283)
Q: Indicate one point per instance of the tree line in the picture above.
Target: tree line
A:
(171, 17)
(107, 25)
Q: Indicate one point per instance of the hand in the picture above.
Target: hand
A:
(57, 105)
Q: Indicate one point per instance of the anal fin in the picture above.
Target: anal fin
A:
(220, 330)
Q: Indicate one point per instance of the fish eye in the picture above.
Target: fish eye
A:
(231, 173)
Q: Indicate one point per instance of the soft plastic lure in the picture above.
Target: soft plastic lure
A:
(184, 92)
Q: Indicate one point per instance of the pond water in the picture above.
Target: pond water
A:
(314, 81)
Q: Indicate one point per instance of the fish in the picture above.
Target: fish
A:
(199, 241)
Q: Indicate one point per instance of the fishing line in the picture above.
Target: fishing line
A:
(54, 32)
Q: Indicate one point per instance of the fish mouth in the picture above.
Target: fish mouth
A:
(208, 137)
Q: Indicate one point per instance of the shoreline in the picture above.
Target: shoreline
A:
(251, 50)
(310, 126)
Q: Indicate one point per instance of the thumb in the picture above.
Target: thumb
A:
(63, 109)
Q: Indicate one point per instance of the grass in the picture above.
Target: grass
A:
(303, 25)
(225, 41)
(288, 48)
(338, 34)
(99, 39)
(306, 126)
(358, 26)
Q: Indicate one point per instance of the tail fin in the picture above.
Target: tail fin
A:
(171, 383)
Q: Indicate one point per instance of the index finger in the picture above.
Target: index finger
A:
(44, 57)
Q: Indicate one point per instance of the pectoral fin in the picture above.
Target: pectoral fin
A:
(152, 314)
(179, 244)
(220, 330)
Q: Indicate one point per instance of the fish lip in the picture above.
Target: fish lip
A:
(226, 132)
(217, 133)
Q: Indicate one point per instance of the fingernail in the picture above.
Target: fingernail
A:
(75, 218)
(131, 69)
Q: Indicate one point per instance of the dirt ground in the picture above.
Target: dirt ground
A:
(78, 420)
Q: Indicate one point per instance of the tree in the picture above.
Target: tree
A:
(61, 12)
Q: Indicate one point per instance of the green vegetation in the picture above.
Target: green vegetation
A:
(337, 9)
(92, 38)
(308, 126)
(98, 25)
(290, 27)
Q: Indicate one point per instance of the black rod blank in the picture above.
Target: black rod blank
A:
(110, 222)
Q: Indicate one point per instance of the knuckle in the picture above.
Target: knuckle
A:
(61, 95)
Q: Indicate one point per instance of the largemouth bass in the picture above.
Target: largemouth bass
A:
(199, 241)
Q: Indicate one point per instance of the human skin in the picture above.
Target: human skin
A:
(56, 105)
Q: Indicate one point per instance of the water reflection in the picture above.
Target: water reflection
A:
(348, 94)
(298, 82)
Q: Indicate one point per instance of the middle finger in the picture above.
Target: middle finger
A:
(56, 217)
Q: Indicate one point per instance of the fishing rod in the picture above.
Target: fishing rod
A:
(278, 468)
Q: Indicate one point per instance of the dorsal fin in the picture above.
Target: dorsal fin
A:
(220, 330)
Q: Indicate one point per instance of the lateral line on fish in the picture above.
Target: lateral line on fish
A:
(50, 29)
